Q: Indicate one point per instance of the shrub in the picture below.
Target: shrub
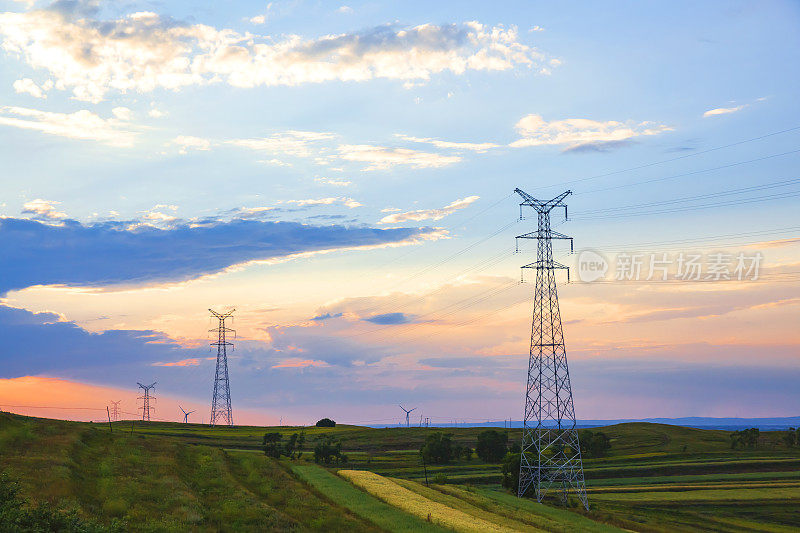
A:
(746, 438)
(17, 514)
(327, 449)
(440, 478)
(492, 445)
(326, 423)
(438, 448)
(594, 443)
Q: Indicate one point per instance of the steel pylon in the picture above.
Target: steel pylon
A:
(221, 412)
(551, 452)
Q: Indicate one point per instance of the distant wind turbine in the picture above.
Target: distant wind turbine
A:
(408, 412)
(185, 415)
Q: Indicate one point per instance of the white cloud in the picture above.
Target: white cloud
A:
(27, 85)
(333, 181)
(347, 202)
(259, 19)
(276, 162)
(291, 142)
(428, 214)
(476, 147)
(122, 113)
(382, 158)
(81, 124)
(143, 51)
(578, 132)
(723, 110)
(187, 142)
(45, 209)
(155, 112)
(345, 9)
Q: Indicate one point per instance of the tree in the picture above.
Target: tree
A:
(745, 438)
(326, 423)
(510, 469)
(492, 445)
(791, 437)
(275, 447)
(327, 449)
(438, 448)
(594, 443)
(272, 444)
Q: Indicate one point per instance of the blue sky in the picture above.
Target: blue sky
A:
(308, 159)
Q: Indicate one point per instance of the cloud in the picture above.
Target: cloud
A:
(42, 344)
(345, 9)
(475, 147)
(81, 124)
(188, 142)
(333, 181)
(258, 19)
(390, 319)
(723, 110)
(347, 202)
(183, 362)
(429, 214)
(382, 158)
(136, 253)
(43, 209)
(27, 85)
(291, 142)
(143, 51)
(296, 362)
(580, 132)
(326, 316)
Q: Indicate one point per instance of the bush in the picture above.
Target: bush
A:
(594, 443)
(326, 423)
(510, 469)
(438, 448)
(440, 478)
(275, 447)
(492, 445)
(327, 449)
(746, 438)
(17, 514)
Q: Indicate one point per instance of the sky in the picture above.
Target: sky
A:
(343, 175)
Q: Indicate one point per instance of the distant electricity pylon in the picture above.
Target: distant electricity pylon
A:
(185, 415)
(408, 412)
(115, 410)
(146, 401)
(551, 453)
(221, 412)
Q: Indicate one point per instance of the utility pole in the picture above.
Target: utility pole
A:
(146, 401)
(551, 453)
(221, 412)
(115, 410)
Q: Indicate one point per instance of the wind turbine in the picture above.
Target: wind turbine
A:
(185, 415)
(408, 412)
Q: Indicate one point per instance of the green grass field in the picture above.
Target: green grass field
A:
(179, 477)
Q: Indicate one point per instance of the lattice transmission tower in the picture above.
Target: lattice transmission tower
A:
(115, 410)
(146, 408)
(221, 412)
(551, 453)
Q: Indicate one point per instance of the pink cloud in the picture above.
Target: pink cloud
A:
(296, 362)
(182, 362)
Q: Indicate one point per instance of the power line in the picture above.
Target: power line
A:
(693, 154)
(684, 174)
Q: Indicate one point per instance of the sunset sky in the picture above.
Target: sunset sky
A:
(343, 175)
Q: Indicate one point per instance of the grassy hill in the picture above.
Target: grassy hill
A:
(176, 477)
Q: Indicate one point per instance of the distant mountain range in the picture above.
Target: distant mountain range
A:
(702, 422)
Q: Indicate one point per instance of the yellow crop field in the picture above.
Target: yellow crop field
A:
(413, 503)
